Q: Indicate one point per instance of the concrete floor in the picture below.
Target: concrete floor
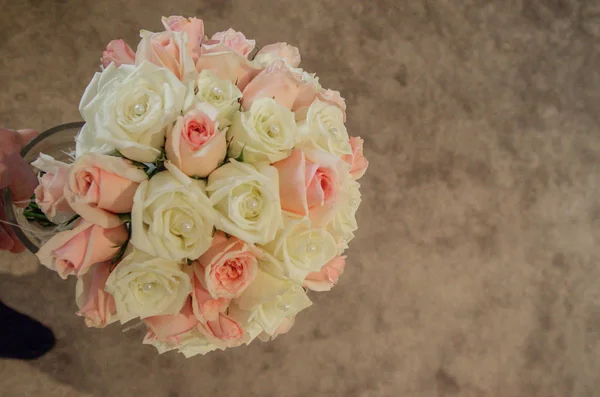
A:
(476, 269)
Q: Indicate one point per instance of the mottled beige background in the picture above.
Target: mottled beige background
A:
(475, 271)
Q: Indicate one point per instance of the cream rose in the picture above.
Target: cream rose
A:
(266, 304)
(343, 225)
(299, 249)
(324, 126)
(221, 94)
(128, 108)
(247, 199)
(172, 217)
(265, 133)
(145, 286)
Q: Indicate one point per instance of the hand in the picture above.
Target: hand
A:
(16, 175)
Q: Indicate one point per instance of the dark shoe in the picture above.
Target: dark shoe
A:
(22, 337)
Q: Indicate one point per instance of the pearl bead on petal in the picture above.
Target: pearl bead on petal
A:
(274, 128)
(334, 131)
(139, 109)
(217, 91)
(148, 287)
(186, 227)
(252, 204)
(311, 248)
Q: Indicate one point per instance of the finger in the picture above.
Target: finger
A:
(6, 241)
(22, 181)
(27, 135)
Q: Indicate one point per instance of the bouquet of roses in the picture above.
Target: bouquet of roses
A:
(211, 186)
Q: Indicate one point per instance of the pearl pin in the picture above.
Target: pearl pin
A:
(274, 128)
(334, 131)
(252, 204)
(139, 109)
(217, 91)
(311, 248)
(186, 227)
(148, 287)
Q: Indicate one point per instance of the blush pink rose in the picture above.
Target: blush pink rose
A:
(205, 307)
(327, 277)
(49, 193)
(274, 52)
(101, 186)
(119, 53)
(287, 87)
(228, 267)
(225, 330)
(95, 304)
(333, 98)
(309, 184)
(169, 50)
(228, 65)
(195, 144)
(75, 251)
(229, 40)
(193, 27)
(169, 328)
(358, 163)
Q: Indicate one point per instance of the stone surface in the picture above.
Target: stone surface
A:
(475, 270)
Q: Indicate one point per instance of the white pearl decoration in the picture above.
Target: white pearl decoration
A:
(283, 306)
(334, 131)
(148, 287)
(311, 248)
(274, 128)
(139, 109)
(186, 227)
(252, 204)
(217, 91)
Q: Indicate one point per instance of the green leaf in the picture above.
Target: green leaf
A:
(121, 252)
(125, 217)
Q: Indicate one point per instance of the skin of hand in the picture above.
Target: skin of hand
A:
(16, 175)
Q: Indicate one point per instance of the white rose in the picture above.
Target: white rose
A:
(324, 127)
(343, 225)
(266, 303)
(128, 109)
(299, 249)
(223, 95)
(145, 286)
(172, 217)
(189, 344)
(265, 133)
(247, 199)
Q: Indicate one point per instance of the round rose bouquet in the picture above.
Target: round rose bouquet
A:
(212, 185)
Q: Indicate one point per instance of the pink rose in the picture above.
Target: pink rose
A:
(225, 330)
(49, 193)
(118, 52)
(308, 185)
(333, 98)
(328, 277)
(75, 251)
(205, 307)
(101, 186)
(230, 66)
(283, 328)
(357, 161)
(168, 50)
(273, 52)
(169, 328)
(229, 40)
(95, 304)
(279, 82)
(227, 268)
(195, 144)
(193, 27)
